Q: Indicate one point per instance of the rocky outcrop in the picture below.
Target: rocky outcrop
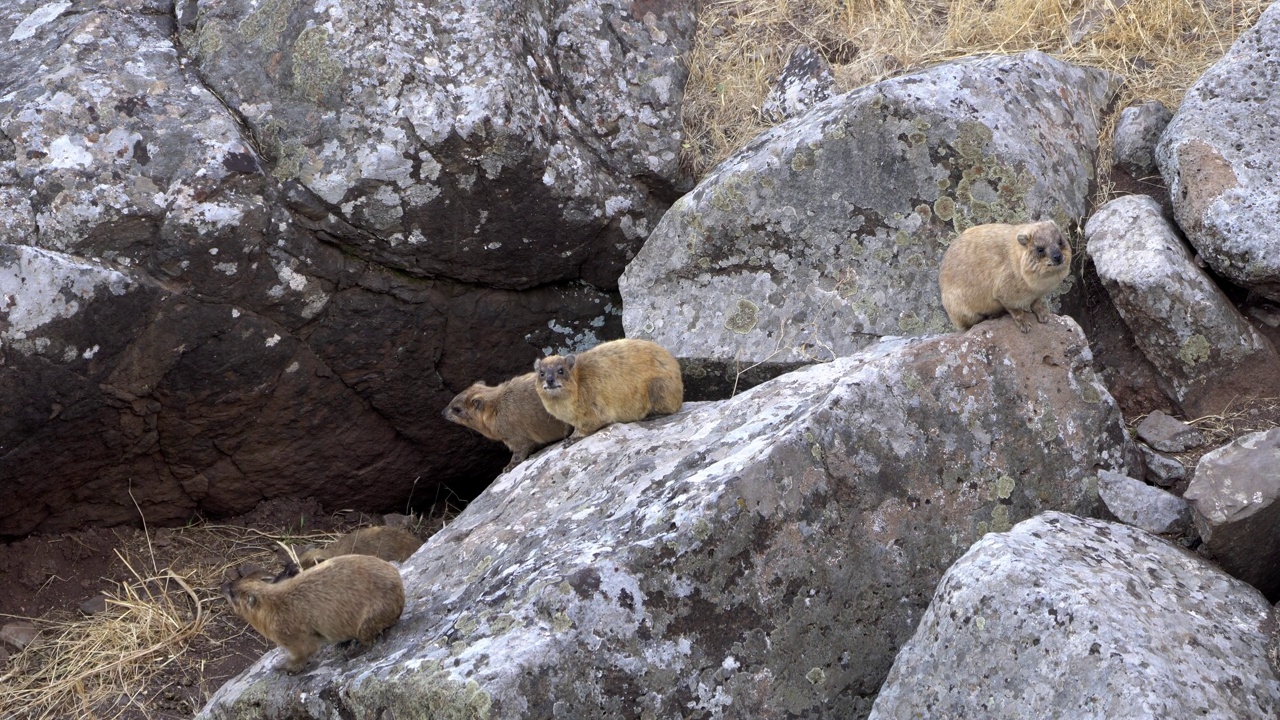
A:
(1208, 356)
(1235, 499)
(505, 142)
(1220, 161)
(759, 557)
(825, 233)
(1068, 617)
(240, 317)
(805, 81)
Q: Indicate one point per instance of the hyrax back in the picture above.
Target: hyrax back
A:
(617, 381)
(387, 543)
(511, 413)
(351, 597)
(992, 269)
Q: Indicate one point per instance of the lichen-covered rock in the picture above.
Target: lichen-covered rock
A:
(1235, 500)
(1066, 617)
(175, 328)
(507, 142)
(1220, 158)
(1162, 469)
(1137, 132)
(758, 557)
(1136, 503)
(1207, 355)
(805, 81)
(825, 233)
(1165, 432)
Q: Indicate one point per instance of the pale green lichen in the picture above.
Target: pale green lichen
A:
(1004, 487)
(315, 69)
(1000, 519)
(268, 22)
(1195, 350)
(744, 319)
(816, 676)
(427, 693)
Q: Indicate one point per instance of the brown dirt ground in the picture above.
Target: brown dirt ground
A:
(45, 579)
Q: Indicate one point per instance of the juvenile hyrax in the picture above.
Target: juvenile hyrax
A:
(510, 413)
(348, 597)
(617, 381)
(991, 269)
(388, 543)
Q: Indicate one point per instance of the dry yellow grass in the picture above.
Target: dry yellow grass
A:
(1160, 47)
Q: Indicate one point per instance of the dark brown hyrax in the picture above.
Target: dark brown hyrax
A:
(617, 381)
(510, 413)
(993, 269)
(351, 597)
(387, 543)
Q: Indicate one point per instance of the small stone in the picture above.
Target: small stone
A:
(1136, 503)
(19, 634)
(1162, 470)
(94, 605)
(1169, 434)
(1137, 132)
(1269, 315)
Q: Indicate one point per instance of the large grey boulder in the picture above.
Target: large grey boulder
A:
(508, 142)
(1218, 158)
(825, 233)
(258, 348)
(1235, 500)
(1137, 132)
(758, 557)
(1066, 617)
(1207, 355)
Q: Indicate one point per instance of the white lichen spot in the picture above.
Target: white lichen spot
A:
(88, 354)
(226, 268)
(235, 312)
(493, 245)
(63, 153)
(616, 205)
(729, 664)
(213, 251)
(42, 16)
(271, 341)
(70, 353)
(293, 367)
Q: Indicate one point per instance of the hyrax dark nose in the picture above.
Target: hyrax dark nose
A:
(1056, 255)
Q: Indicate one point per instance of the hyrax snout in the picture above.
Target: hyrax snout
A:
(510, 413)
(350, 597)
(996, 268)
(616, 381)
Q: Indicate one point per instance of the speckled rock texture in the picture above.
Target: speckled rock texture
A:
(507, 142)
(1235, 500)
(826, 232)
(805, 81)
(1136, 503)
(1220, 158)
(258, 347)
(1065, 617)
(1136, 134)
(759, 557)
(1206, 353)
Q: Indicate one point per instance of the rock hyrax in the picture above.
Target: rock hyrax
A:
(991, 269)
(510, 413)
(388, 543)
(617, 381)
(348, 597)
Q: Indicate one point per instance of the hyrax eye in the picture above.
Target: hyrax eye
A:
(559, 371)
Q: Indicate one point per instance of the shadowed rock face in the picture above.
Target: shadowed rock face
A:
(826, 232)
(1068, 617)
(1219, 156)
(269, 284)
(763, 556)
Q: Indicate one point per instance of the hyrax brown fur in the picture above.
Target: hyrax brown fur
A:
(617, 381)
(991, 269)
(510, 413)
(348, 597)
(387, 543)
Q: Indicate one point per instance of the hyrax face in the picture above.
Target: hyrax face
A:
(1047, 251)
(234, 590)
(467, 406)
(553, 372)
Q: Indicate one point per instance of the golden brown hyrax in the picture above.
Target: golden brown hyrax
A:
(991, 269)
(510, 413)
(351, 597)
(617, 381)
(388, 543)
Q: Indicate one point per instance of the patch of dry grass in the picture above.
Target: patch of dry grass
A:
(1160, 47)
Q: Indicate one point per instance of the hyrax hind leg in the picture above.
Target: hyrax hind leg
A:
(661, 393)
(1020, 317)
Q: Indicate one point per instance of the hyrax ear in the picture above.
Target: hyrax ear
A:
(251, 600)
(477, 403)
(569, 360)
(1024, 238)
(537, 365)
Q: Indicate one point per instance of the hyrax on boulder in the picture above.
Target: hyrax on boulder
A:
(616, 381)
(350, 597)
(387, 543)
(996, 268)
(510, 413)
